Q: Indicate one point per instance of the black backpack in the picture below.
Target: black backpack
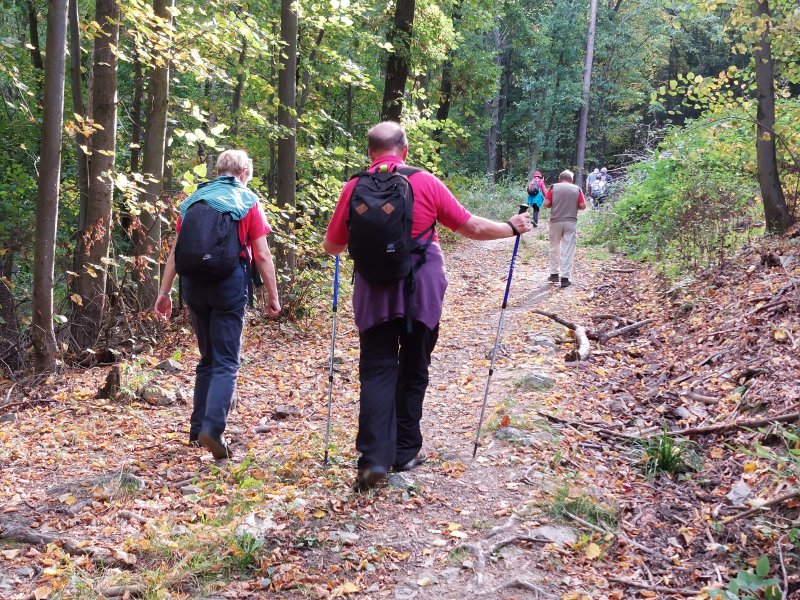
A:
(208, 247)
(379, 226)
(533, 189)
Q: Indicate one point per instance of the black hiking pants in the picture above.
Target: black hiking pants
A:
(394, 377)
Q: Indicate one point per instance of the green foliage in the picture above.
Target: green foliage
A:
(749, 585)
(564, 506)
(663, 454)
(694, 201)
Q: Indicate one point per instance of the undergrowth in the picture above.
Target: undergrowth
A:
(565, 506)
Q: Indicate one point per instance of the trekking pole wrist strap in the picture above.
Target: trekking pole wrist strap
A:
(514, 230)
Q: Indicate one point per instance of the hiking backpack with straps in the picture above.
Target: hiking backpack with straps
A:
(533, 188)
(208, 247)
(379, 226)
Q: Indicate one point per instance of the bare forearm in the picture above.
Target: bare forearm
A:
(478, 228)
(266, 269)
(168, 278)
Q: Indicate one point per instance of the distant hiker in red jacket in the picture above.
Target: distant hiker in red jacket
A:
(536, 190)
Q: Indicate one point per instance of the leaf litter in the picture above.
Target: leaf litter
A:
(104, 498)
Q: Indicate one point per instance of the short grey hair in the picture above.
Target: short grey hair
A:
(566, 175)
(233, 162)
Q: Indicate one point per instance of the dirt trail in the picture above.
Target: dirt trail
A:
(117, 487)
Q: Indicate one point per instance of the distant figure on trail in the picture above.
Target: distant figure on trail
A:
(536, 190)
(398, 316)
(564, 199)
(214, 282)
(599, 187)
(591, 179)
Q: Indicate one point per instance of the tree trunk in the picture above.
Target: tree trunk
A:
(148, 242)
(76, 85)
(42, 332)
(287, 144)
(583, 122)
(9, 327)
(776, 212)
(493, 112)
(136, 112)
(349, 108)
(397, 64)
(301, 105)
(87, 316)
(33, 31)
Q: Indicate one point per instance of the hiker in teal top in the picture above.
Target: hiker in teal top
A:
(225, 194)
(217, 306)
(536, 191)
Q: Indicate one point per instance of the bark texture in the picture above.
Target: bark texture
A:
(397, 65)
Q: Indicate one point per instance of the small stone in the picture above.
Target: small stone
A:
(400, 481)
(525, 438)
(451, 573)
(8, 418)
(170, 366)
(179, 530)
(543, 341)
(405, 592)
(739, 493)
(683, 412)
(558, 535)
(284, 412)
(537, 380)
(348, 538)
(256, 524)
(262, 428)
(188, 490)
(157, 396)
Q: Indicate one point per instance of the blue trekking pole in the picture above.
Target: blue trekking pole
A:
(333, 345)
(523, 208)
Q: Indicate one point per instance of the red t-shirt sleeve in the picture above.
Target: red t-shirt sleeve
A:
(548, 195)
(337, 228)
(581, 199)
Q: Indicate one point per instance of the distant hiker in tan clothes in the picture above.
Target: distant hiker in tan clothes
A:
(564, 199)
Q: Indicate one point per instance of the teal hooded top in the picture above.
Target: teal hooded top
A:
(225, 194)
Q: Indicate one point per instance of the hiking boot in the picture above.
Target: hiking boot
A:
(419, 459)
(565, 282)
(553, 278)
(193, 441)
(215, 444)
(368, 478)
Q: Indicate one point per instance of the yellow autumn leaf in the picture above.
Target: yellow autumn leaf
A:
(593, 551)
(749, 467)
(458, 534)
(453, 526)
(424, 581)
(319, 514)
(68, 499)
(42, 592)
(439, 543)
(350, 588)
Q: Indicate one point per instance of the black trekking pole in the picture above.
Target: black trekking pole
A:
(523, 208)
(333, 345)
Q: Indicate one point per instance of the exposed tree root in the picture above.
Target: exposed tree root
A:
(520, 584)
(769, 504)
(656, 588)
(518, 538)
(719, 427)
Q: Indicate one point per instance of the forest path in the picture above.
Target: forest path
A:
(119, 479)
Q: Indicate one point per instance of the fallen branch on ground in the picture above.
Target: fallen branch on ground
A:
(656, 588)
(769, 504)
(604, 337)
(600, 430)
(520, 584)
(21, 533)
(618, 534)
(616, 270)
(518, 538)
(750, 424)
